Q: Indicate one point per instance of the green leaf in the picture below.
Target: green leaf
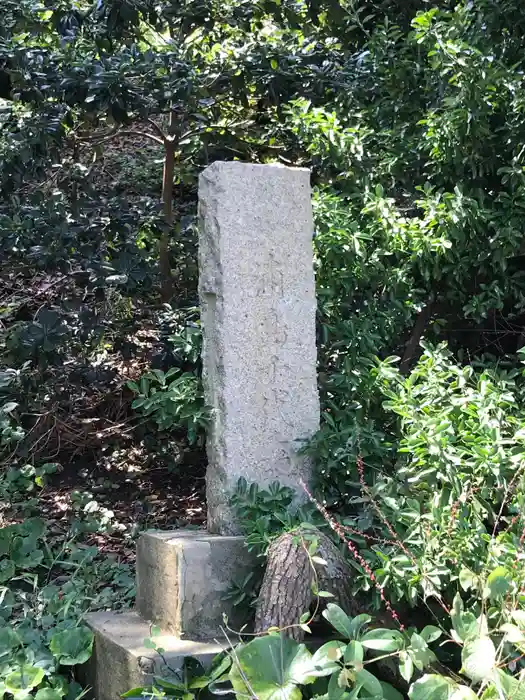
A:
(336, 691)
(72, 646)
(63, 685)
(513, 633)
(168, 685)
(33, 528)
(369, 682)
(382, 640)
(478, 659)
(5, 541)
(199, 683)
(432, 687)
(519, 618)
(464, 623)
(134, 693)
(406, 666)
(354, 654)
(25, 554)
(491, 693)
(498, 582)
(463, 692)
(339, 620)
(430, 633)
(511, 688)
(48, 694)
(324, 661)
(7, 570)
(358, 622)
(27, 678)
(220, 665)
(8, 640)
(390, 693)
(467, 579)
(274, 666)
(421, 655)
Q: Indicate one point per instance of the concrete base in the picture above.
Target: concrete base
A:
(120, 660)
(182, 577)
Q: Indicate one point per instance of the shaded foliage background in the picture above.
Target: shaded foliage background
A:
(411, 118)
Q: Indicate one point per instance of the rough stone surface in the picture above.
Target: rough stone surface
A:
(120, 661)
(182, 578)
(258, 306)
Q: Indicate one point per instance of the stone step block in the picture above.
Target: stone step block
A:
(120, 660)
(182, 577)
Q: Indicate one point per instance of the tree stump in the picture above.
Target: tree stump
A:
(287, 590)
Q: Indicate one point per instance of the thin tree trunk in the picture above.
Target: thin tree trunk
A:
(74, 184)
(412, 347)
(167, 207)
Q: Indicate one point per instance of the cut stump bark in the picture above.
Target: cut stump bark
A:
(291, 577)
(287, 589)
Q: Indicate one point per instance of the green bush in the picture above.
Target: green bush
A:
(456, 497)
(172, 399)
(46, 588)
(349, 666)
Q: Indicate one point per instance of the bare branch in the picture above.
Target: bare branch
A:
(96, 139)
(100, 136)
(157, 128)
(136, 132)
(210, 127)
(192, 132)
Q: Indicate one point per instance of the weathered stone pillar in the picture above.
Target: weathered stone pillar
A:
(258, 306)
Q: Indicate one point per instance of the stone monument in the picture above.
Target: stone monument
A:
(257, 297)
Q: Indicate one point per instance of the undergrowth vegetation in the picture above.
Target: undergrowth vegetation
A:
(411, 116)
